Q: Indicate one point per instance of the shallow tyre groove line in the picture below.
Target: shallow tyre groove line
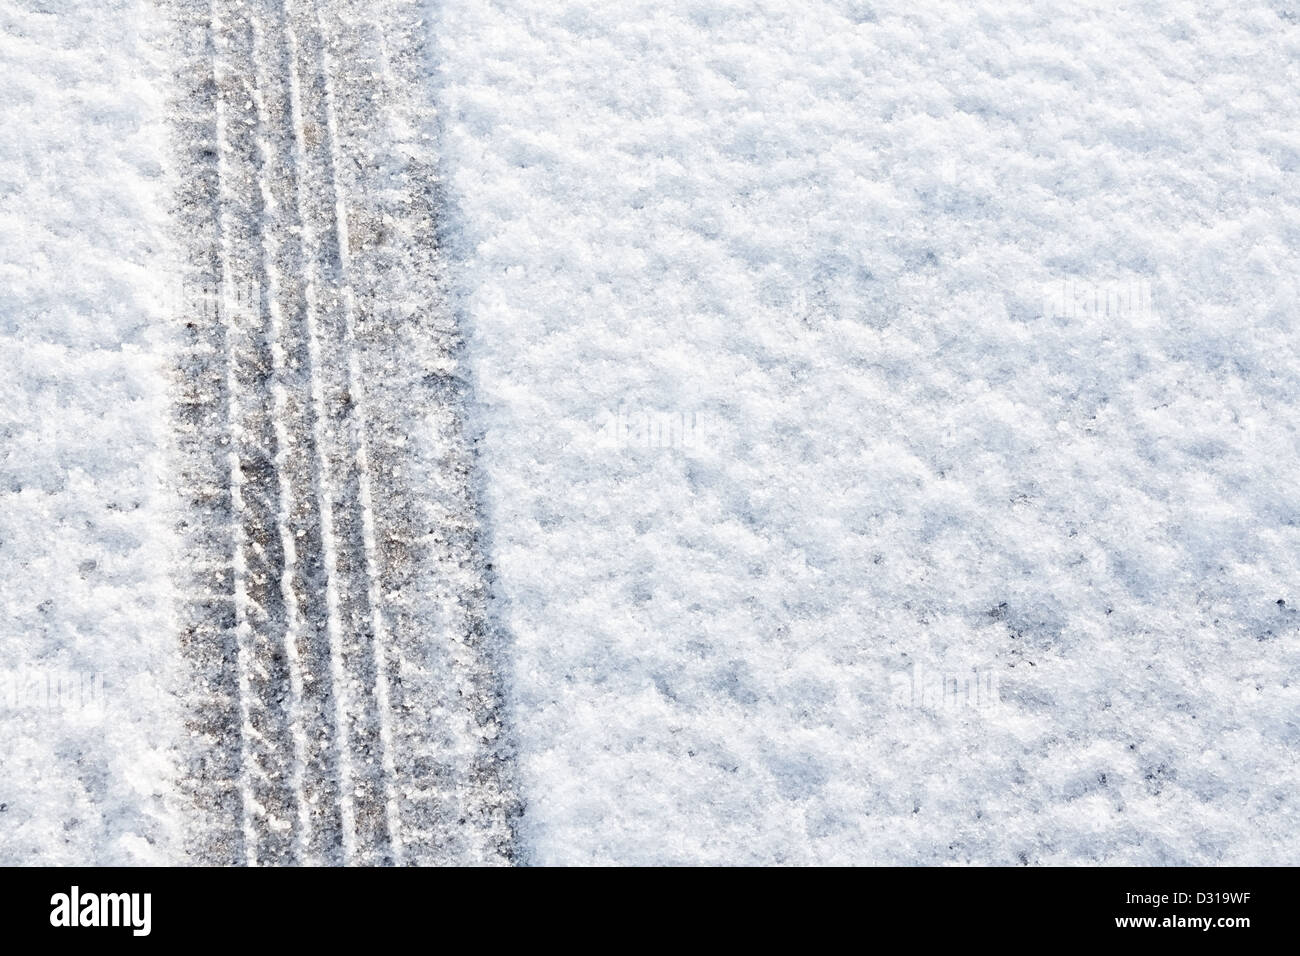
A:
(313, 281)
(345, 701)
(282, 415)
(261, 620)
(325, 803)
(356, 388)
(212, 776)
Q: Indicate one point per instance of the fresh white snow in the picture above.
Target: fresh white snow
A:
(87, 637)
(841, 236)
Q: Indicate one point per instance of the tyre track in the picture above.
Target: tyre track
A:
(346, 704)
(261, 621)
(298, 467)
(454, 749)
(213, 777)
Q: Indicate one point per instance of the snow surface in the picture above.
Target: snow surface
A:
(853, 252)
(824, 354)
(87, 638)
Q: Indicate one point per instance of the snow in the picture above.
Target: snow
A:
(885, 416)
(86, 632)
(843, 235)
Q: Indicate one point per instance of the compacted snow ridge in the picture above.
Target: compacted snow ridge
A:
(345, 707)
